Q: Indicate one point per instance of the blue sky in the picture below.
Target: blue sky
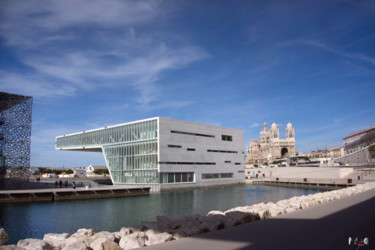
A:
(235, 64)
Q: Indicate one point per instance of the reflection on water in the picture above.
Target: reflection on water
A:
(33, 220)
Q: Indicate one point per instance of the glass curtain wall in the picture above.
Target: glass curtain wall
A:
(130, 150)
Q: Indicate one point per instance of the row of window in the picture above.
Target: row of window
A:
(217, 175)
(179, 146)
(189, 133)
(223, 137)
(222, 151)
(226, 138)
(176, 177)
(186, 163)
(131, 132)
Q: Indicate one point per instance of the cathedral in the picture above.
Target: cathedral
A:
(270, 147)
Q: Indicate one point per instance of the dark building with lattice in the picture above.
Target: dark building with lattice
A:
(15, 133)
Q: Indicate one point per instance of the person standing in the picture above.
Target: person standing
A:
(74, 185)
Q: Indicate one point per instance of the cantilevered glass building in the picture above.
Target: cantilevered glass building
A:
(166, 152)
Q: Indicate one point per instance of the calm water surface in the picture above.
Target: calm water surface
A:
(33, 220)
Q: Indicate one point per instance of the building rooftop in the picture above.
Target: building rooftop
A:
(360, 132)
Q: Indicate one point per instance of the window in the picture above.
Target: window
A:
(176, 177)
(226, 137)
(221, 151)
(237, 163)
(190, 149)
(227, 161)
(186, 163)
(217, 175)
(189, 133)
(174, 146)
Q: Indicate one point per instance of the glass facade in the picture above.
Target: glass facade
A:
(130, 150)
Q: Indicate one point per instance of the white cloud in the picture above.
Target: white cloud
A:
(354, 55)
(73, 46)
(255, 125)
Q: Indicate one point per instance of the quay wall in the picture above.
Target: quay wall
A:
(301, 172)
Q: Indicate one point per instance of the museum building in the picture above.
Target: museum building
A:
(163, 151)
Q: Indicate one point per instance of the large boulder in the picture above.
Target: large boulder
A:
(11, 247)
(242, 217)
(156, 237)
(104, 244)
(172, 224)
(134, 240)
(86, 231)
(78, 245)
(156, 226)
(213, 223)
(191, 225)
(78, 238)
(34, 244)
(3, 236)
(103, 234)
(227, 221)
(56, 240)
(122, 233)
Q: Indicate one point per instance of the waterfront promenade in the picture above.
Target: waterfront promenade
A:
(325, 226)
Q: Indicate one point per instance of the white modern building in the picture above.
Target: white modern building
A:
(165, 152)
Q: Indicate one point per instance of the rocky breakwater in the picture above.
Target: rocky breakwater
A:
(167, 229)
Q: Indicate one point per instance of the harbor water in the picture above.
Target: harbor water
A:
(33, 220)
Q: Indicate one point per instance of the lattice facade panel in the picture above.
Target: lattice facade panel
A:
(15, 133)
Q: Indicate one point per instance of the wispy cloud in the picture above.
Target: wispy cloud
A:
(354, 55)
(255, 125)
(75, 46)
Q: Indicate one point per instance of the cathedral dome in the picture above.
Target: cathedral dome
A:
(289, 125)
(274, 126)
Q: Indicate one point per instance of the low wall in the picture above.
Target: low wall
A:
(303, 172)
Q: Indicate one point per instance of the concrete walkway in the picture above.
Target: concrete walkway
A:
(326, 226)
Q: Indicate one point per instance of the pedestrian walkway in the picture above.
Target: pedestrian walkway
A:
(326, 226)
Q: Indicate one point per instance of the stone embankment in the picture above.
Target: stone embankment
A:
(166, 229)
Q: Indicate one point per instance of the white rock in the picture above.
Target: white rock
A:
(125, 231)
(11, 247)
(104, 244)
(86, 232)
(56, 240)
(133, 240)
(3, 236)
(103, 234)
(156, 238)
(34, 244)
(215, 212)
(78, 238)
(78, 245)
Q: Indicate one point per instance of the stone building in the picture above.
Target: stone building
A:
(270, 147)
(359, 148)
